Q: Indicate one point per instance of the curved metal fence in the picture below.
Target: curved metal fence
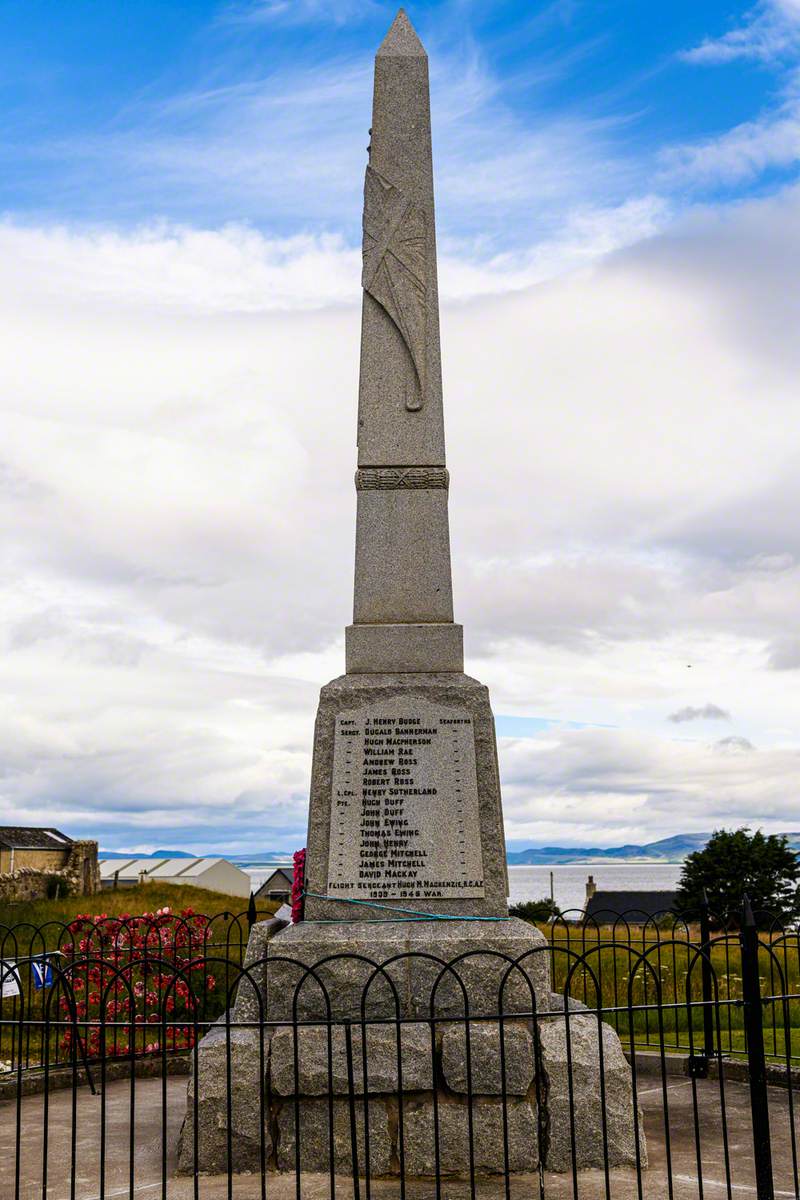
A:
(622, 1060)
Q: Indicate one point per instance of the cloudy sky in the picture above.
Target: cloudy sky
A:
(619, 228)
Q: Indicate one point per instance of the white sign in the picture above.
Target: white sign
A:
(9, 978)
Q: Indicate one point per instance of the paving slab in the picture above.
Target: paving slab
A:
(134, 1117)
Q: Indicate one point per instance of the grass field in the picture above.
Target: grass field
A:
(618, 975)
(610, 976)
(50, 915)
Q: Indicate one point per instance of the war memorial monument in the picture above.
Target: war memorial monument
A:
(406, 926)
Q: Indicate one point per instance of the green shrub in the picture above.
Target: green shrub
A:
(534, 910)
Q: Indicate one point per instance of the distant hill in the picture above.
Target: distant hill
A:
(259, 856)
(155, 854)
(672, 849)
(262, 856)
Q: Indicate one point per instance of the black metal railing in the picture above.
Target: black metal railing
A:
(131, 1073)
(88, 948)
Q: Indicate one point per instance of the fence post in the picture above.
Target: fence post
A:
(252, 912)
(756, 1065)
(351, 1095)
(708, 986)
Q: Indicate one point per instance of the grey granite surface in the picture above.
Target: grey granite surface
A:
(321, 1066)
(596, 1105)
(315, 1142)
(400, 391)
(231, 1060)
(402, 567)
(455, 691)
(450, 1127)
(404, 649)
(497, 1056)
(417, 969)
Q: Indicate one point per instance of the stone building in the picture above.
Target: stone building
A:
(33, 861)
(629, 907)
(278, 886)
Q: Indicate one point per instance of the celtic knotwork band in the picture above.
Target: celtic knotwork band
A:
(397, 478)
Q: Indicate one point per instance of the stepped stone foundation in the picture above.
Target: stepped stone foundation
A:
(413, 1075)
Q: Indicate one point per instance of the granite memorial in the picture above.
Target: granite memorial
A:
(405, 853)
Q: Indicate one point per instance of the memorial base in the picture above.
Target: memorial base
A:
(405, 805)
(398, 968)
(450, 1080)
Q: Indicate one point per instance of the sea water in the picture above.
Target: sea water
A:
(569, 882)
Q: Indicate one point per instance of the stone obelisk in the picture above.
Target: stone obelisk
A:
(406, 913)
(405, 810)
(403, 611)
(405, 797)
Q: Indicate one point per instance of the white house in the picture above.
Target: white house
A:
(216, 874)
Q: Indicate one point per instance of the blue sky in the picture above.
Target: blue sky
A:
(210, 113)
(618, 215)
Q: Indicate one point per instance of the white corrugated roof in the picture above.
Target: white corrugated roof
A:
(127, 867)
(160, 868)
(199, 865)
(109, 865)
(174, 866)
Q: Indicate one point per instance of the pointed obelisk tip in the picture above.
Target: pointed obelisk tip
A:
(401, 41)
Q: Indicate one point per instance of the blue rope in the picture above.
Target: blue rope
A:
(414, 914)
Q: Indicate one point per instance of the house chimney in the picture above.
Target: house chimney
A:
(591, 888)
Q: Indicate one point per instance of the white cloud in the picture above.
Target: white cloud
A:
(176, 517)
(280, 141)
(784, 654)
(299, 12)
(770, 31)
(237, 269)
(770, 35)
(741, 154)
(629, 784)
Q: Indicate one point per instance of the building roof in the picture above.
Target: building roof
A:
(168, 870)
(110, 866)
(21, 837)
(633, 907)
(279, 881)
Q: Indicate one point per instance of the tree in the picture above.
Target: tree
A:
(534, 910)
(738, 862)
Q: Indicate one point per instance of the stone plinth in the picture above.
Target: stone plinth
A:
(598, 1106)
(405, 779)
(408, 969)
(230, 1061)
(421, 1097)
(488, 1155)
(319, 1054)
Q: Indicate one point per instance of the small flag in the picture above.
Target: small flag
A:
(42, 974)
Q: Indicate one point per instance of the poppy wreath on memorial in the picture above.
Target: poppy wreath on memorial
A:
(298, 886)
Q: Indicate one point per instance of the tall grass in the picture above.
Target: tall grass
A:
(648, 982)
(32, 926)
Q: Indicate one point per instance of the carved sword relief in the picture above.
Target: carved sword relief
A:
(394, 270)
(395, 479)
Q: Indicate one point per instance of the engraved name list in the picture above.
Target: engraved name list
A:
(405, 820)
